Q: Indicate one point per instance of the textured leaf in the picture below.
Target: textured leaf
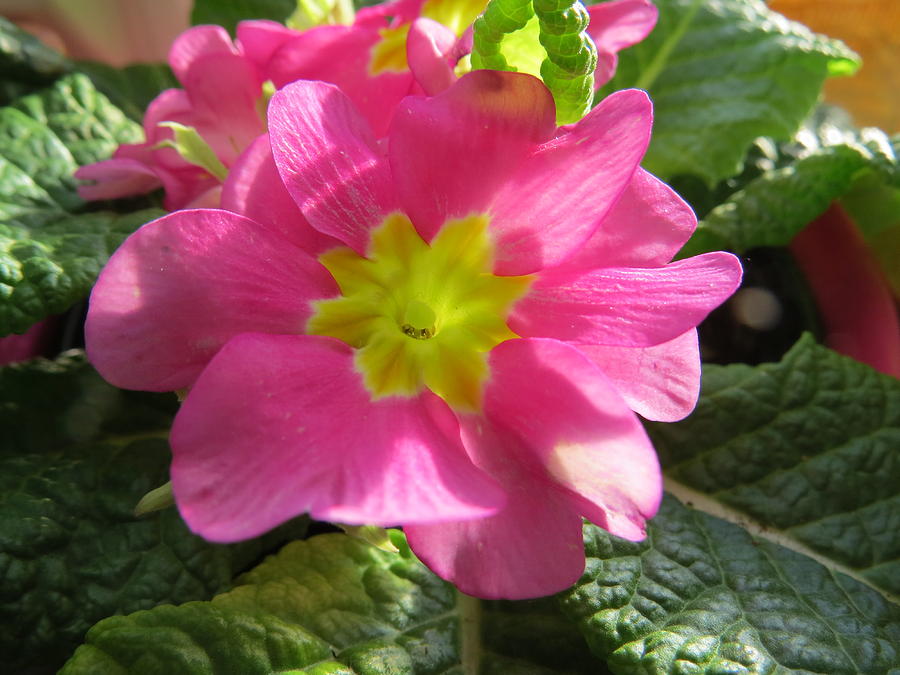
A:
(228, 14)
(82, 118)
(25, 62)
(546, 38)
(50, 257)
(45, 269)
(131, 88)
(200, 638)
(721, 73)
(806, 448)
(828, 162)
(333, 604)
(75, 456)
(701, 596)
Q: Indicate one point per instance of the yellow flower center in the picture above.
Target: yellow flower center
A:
(457, 15)
(418, 315)
(389, 53)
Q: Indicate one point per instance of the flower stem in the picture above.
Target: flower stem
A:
(470, 628)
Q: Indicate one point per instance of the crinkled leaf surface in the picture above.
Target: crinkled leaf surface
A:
(700, 595)
(333, 604)
(45, 269)
(546, 38)
(75, 456)
(50, 253)
(721, 73)
(228, 14)
(802, 452)
(825, 163)
(82, 118)
(130, 88)
(25, 62)
(807, 449)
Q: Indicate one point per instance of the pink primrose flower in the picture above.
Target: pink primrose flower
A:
(367, 60)
(222, 100)
(223, 97)
(447, 329)
(392, 50)
(434, 50)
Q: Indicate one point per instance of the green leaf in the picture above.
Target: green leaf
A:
(75, 456)
(826, 163)
(334, 604)
(701, 596)
(49, 256)
(804, 450)
(47, 267)
(25, 62)
(132, 88)
(82, 118)
(200, 638)
(546, 38)
(228, 14)
(721, 74)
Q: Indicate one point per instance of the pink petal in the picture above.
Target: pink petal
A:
(394, 12)
(260, 39)
(554, 202)
(607, 63)
(341, 55)
(451, 153)
(621, 23)
(116, 178)
(562, 443)
(211, 199)
(182, 286)
(281, 425)
(531, 548)
(330, 162)
(172, 105)
(568, 415)
(224, 90)
(254, 189)
(427, 47)
(195, 43)
(660, 383)
(646, 228)
(615, 26)
(851, 291)
(28, 345)
(185, 185)
(626, 306)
